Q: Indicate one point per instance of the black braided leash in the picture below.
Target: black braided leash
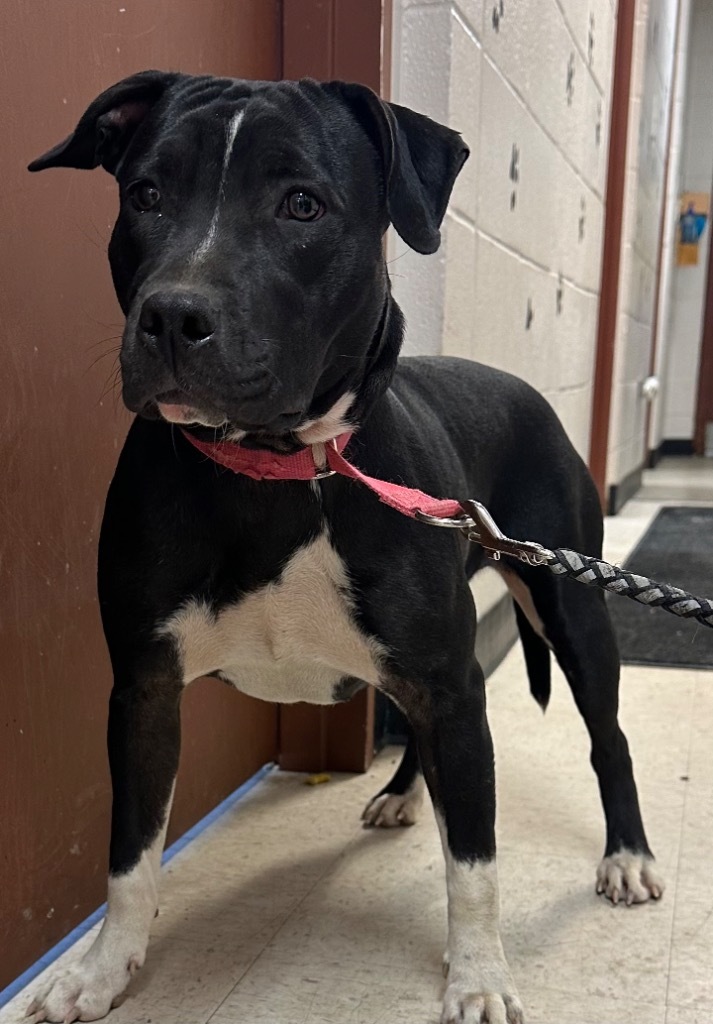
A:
(480, 528)
(596, 573)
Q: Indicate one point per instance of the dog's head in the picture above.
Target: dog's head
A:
(247, 255)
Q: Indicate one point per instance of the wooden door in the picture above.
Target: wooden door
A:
(62, 428)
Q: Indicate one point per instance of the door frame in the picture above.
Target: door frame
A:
(611, 248)
(704, 399)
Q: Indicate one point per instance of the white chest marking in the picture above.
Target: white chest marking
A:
(205, 245)
(292, 640)
(332, 424)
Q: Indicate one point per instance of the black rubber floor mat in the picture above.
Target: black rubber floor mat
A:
(678, 549)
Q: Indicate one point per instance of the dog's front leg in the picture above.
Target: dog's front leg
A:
(144, 742)
(457, 756)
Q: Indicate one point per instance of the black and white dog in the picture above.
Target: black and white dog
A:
(248, 260)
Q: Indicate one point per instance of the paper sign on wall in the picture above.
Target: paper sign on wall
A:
(695, 207)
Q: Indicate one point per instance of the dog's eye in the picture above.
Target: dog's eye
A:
(144, 196)
(302, 206)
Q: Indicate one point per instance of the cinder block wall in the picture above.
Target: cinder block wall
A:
(516, 284)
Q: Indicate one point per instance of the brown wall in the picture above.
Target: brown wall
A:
(61, 429)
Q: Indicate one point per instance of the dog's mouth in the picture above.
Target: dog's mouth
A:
(176, 407)
(326, 418)
(181, 409)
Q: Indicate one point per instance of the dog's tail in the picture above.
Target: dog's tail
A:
(537, 659)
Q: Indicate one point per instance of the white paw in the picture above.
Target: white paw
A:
(631, 877)
(483, 994)
(86, 991)
(392, 809)
(468, 1003)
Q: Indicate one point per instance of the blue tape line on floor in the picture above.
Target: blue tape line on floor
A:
(64, 944)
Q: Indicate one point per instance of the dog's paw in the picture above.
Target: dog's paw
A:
(464, 1004)
(480, 995)
(629, 877)
(388, 810)
(86, 991)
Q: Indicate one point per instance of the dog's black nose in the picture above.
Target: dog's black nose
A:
(170, 320)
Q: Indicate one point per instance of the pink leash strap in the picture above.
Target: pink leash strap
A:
(267, 465)
(407, 500)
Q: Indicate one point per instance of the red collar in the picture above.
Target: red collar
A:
(259, 464)
(316, 462)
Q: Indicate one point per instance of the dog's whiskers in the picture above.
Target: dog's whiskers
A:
(399, 257)
(173, 441)
(103, 341)
(111, 384)
(102, 355)
(264, 366)
(100, 245)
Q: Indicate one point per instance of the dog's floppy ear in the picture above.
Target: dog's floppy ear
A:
(108, 125)
(421, 160)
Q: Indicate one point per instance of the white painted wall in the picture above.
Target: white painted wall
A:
(652, 76)
(684, 324)
(516, 282)
(668, 258)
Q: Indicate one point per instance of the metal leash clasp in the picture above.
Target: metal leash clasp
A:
(319, 454)
(480, 528)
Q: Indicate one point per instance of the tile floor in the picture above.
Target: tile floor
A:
(287, 912)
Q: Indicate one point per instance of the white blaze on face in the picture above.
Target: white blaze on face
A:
(231, 131)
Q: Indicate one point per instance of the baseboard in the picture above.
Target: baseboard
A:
(654, 457)
(677, 446)
(620, 493)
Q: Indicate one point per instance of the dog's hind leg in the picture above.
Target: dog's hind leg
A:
(144, 741)
(400, 801)
(577, 626)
